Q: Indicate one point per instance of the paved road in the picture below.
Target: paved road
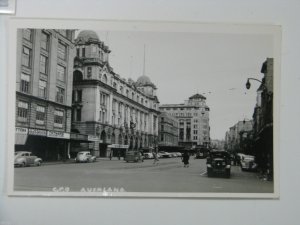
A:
(168, 175)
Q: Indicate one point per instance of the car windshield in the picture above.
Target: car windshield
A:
(219, 154)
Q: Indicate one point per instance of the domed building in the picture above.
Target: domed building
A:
(117, 113)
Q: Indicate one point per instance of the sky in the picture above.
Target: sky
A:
(182, 64)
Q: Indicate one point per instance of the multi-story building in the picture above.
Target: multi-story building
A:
(43, 91)
(193, 117)
(263, 119)
(167, 132)
(239, 136)
(120, 113)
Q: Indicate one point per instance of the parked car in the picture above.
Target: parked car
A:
(85, 156)
(23, 159)
(148, 155)
(134, 156)
(248, 163)
(218, 162)
(165, 154)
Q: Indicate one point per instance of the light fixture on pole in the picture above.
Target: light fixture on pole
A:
(248, 84)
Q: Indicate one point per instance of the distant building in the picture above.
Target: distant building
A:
(43, 92)
(167, 132)
(118, 113)
(193, 117)
(217, 144)
(239, 135)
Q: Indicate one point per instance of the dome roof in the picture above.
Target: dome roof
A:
(197, 96)
(87, 35)
(143, 80)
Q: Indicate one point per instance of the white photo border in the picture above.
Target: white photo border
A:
(19, 23)
(10, 8)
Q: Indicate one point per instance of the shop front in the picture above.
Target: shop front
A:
(46, 144)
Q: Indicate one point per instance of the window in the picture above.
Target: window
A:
(26, 57)
(89, 71)
(22, 111)
(27, 34)
(62, 51)
(121, 89)
(94, 49)
(60, 94)
(195, 131)
(45, 41)
(43, 64)
(78, 114)
(79, 96)
(42, 89)
(77, 51)
(25, 81)
(58, 118)
(61, 71)
(40, 115)
(83, 52)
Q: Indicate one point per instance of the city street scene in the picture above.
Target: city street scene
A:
(141, 111)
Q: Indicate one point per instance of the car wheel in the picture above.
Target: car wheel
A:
(23, 164)
(38, 163)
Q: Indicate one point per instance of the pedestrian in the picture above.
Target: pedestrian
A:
(185, 159)
(155, 158)
(119, 155)
(110, 155)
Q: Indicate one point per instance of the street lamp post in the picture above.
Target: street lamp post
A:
(248, 84)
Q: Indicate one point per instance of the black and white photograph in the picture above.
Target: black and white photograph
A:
(7, 6)
(126, 109)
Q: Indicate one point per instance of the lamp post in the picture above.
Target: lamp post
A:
(248, 84)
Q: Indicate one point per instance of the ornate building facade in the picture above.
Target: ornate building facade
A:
(167, 132)
(121, 114)
(43, 92)
(193, 117)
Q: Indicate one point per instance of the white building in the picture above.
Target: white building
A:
(193, 117)
(120, 113)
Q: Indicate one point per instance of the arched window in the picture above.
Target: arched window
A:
(142, 101)
(127, 93)
(121, 89)
(114, 85)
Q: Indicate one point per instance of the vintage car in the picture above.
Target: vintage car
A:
(248, 163)
(148, 155)
(85, 156)
(134, 156)
(23, 159)
(218, 162)
(164, 154)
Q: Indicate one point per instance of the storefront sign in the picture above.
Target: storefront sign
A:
(117, 146)
(21, 130)
(93, 138)
(58, 134)
(37, 132)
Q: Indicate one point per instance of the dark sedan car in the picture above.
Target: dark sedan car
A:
(218, 162)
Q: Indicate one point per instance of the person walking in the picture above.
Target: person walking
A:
(110, 155)
(155, 158)
(185, 159)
